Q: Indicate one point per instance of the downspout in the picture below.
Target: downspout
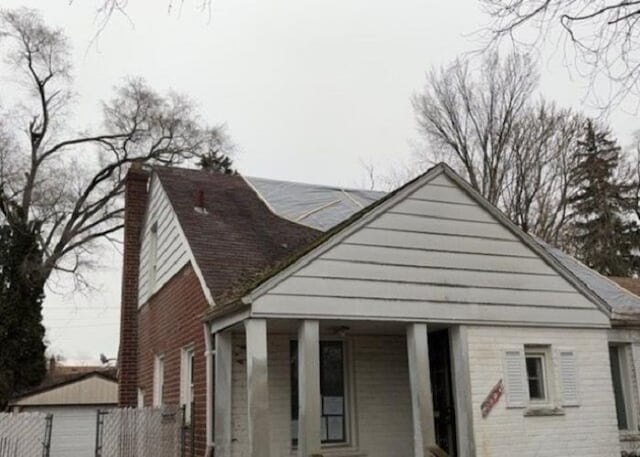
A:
(209, 354)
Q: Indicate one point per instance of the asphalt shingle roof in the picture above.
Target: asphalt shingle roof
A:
(237, 236)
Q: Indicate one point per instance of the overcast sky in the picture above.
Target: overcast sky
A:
(309, 90)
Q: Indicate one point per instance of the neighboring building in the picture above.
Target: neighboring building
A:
(73, 395)
(291, 319)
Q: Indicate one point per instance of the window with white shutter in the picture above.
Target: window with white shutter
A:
(569, 378)
(515, 379)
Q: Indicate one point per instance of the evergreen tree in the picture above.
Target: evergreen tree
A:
(217, 162)
(605, 232)
(22, 350)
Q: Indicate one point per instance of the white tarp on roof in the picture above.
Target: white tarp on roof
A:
(320, 207)
(323, 207)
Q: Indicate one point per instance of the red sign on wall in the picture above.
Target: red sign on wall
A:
(491, 400)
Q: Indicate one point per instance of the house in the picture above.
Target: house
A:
(622, 297)
(73, 395)
(303, 320)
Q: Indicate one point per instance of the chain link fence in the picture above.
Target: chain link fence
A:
(147, 432)
(25, 434)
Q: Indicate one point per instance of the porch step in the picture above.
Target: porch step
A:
(435, 451)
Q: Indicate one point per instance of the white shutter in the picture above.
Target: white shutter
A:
(515, 379)
(569, 378)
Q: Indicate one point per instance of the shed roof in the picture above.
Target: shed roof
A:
(66, 376)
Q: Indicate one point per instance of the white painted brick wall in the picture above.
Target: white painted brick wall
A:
(589, 430)
(382, 403)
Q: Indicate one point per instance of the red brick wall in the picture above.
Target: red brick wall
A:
(135, 205)
(166, 324)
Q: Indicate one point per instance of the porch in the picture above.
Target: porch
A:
(338, 389)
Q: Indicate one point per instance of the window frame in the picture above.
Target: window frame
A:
(542, 352)
(543, 377)
(187, 367)
(348, 396)
(158, 381)
(625, 371)
(140, 398)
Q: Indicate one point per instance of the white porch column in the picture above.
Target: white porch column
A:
(222, 418)
(257, 388)
(308, 388)
(421, 399)
(462, 391)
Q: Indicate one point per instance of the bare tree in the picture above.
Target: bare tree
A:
(472, 121)
(516, 152)
(106, 9)
(71, 183)
(543, 147)
(601, 37)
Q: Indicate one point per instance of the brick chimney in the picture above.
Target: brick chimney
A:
(135, 199)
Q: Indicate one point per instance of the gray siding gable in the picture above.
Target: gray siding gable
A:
(435, 251)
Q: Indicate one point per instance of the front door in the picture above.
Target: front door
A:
(442, 391)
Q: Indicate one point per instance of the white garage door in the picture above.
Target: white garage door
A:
(74, 430)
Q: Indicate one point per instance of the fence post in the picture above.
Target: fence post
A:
(99, 432)
(46, 444)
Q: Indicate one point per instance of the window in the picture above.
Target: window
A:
(536, 378)
(332, 392)
(153, 255)
(541, 380)
(619, 358)
(140, 398)
(158, 380)
(186, 382)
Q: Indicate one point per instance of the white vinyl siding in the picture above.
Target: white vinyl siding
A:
(439, 255)
(94, 390)
(164, 251)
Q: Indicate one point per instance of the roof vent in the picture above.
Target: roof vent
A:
(199, 207)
